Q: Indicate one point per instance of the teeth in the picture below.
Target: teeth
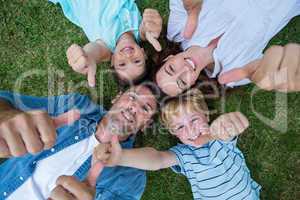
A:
(191, 63)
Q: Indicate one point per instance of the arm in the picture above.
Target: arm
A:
(141, 158)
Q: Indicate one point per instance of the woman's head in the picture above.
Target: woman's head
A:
(186, 116)
(177, 74)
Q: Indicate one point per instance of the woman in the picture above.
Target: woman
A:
(230, 34)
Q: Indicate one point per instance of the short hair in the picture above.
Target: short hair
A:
(192, 100)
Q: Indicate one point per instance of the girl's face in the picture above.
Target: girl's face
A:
(188, 126)
(178, 74)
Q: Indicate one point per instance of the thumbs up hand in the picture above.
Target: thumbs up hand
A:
(278, 70)
(81, 62)
(30, 132)
(151, 28)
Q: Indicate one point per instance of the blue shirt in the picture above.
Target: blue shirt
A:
(117, 183)
(103, 19)
(216, 171)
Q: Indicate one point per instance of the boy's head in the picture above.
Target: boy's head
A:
(129, 61)
(186, 116)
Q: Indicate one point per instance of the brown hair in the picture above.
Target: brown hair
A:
(192, 100)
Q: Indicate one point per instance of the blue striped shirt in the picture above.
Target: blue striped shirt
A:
(216, 171)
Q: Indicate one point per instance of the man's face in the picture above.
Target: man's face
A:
(129, 61)
(178, 74)
(132, 111)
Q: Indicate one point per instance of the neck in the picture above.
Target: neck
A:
(201, 56)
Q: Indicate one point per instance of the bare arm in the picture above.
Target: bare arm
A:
(97, 51)
(141, 158)
(147, 159)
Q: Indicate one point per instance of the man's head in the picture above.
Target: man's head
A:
(129, 60)
(131, 112)
(178, 74)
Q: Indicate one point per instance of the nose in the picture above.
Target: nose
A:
(128, 52)
(132, 109)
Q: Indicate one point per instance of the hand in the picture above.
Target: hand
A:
(193, 8)
(81, 62)
(151, 27)
(109, 154)
(30, 132)
(69, 188)
(228, 126)
(279, 70)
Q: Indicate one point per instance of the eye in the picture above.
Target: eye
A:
(122, 65)
(172, 68)
(179, 128)
(132, 97)
(195, 119)
(137, 61)
(146, 109)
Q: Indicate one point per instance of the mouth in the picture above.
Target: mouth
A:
(127, 50)
(192, 139)
(191, 64)
(127, 116)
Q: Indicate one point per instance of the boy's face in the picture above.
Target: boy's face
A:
(188, 126)
(129, 61)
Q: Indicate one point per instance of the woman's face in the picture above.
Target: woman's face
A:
(178, 74)
(188, 126)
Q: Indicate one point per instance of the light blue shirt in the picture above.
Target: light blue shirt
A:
(117, 183)
(103, 19)
(216, 171)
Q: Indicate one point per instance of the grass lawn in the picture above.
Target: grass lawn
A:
(34, 36)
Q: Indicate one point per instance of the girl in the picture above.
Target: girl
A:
(114, 29)
(230, 34)
(216, 170)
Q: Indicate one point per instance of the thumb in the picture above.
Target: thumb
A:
(66, 118)
(192, 22)
(94, 172)
(239, 74)
(92, 75)
(153, 41)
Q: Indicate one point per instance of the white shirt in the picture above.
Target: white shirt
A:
(65, 162)
(247, 25)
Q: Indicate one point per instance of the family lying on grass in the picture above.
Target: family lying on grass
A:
(67, 147)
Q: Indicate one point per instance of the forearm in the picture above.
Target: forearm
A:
(98, 51)
(146, 159)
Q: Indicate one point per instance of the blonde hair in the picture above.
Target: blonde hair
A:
(191, 101)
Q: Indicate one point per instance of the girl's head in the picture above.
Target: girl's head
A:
(186, 116)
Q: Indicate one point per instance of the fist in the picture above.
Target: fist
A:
(278, 70)
(30, 132)
(69, 188)
(229, 125)
(151, 27)
(82, 63)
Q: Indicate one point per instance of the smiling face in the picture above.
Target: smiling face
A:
(178, 74)
(129, 60)
(131, 112)
(187, 127)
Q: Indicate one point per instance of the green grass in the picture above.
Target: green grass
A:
(34, 35)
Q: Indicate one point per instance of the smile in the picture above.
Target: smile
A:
(191, 64)
(127, 116)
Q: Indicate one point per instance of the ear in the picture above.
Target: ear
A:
(167, 58)
(116, 97)
(147, 125)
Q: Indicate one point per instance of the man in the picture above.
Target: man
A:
(27, 126)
